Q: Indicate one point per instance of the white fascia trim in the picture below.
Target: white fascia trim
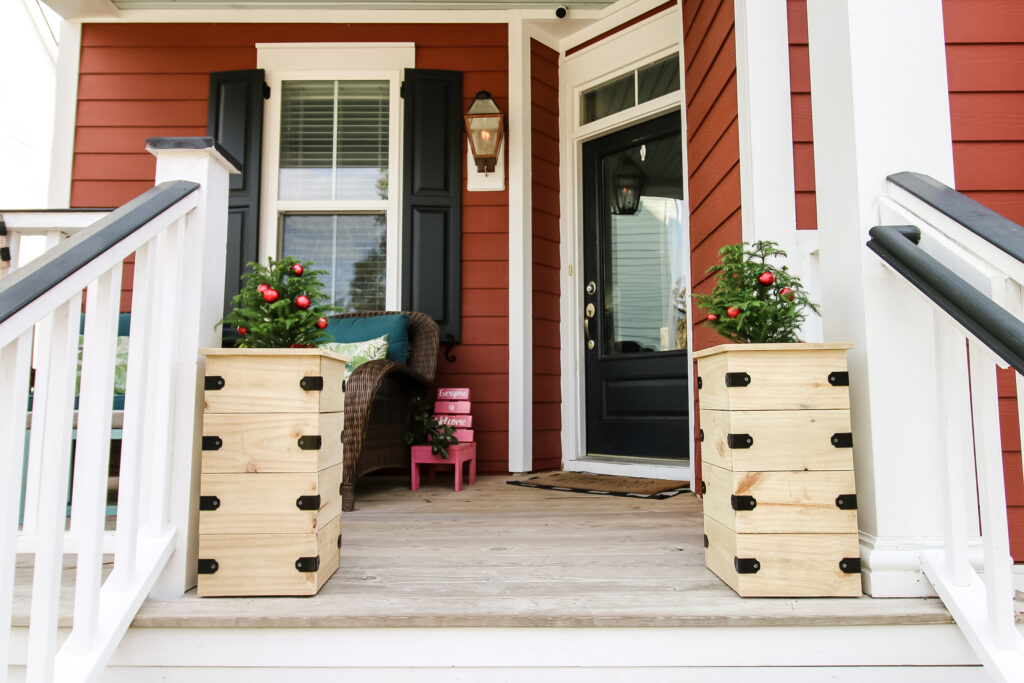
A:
(303, 16)
(611, 17)
(62, 152)
(46, 37)
(520, 250)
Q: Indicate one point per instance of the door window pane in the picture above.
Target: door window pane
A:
(334, 140)
(608, 98)
(657, 79)
(350, 247)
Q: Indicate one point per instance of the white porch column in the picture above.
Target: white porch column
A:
(520, 250)
(881, 105)
(64, 116)
(201, 161)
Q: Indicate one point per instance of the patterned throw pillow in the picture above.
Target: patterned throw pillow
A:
(359, 352)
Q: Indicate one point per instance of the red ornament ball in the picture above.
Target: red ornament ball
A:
(787, 293)
(297, 269)
(322, 323)
(242, 330)
(262, 288)
(712, 316)
(302, 301)
(270, 295)
(766, 278)
(733, 311)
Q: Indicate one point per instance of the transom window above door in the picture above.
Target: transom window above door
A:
(629, 90)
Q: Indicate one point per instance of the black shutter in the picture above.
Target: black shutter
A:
(432, 198)
(236, 122)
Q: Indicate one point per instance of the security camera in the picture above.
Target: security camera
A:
(561, 11)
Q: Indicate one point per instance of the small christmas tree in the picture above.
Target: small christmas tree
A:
(279, 306)
(753, 300)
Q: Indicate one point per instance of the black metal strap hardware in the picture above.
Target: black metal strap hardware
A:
(847, 501)
(702, 435)
(212, 443)
(703, 487)
(308, 502)
(839, 379)
(208, 503)
(339, 540)
(5, 253)
(312, 383)
(743, 503)
(310, 442)
(308, 564)
(213, 383)
(705, 540)
(344, 385)
(700, 383)
(850, 565)
(843, 440)
(739, 440)
(737, 379)
(746, 565)
(207, 567)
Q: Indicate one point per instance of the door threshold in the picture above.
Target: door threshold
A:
(626, 466)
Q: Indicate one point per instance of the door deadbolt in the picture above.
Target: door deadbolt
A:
(590, 310)
(591, 288)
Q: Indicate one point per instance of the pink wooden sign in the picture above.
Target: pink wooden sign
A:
(453, 394)
(464, 435)
(452, 407)
(457, 421)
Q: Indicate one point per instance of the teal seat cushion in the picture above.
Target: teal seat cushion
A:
(395, 326)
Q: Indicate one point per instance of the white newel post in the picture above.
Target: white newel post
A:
(197, 160)
(881, 105)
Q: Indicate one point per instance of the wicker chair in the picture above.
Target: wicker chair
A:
(378, 404)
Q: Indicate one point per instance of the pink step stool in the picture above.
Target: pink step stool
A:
(457, 455)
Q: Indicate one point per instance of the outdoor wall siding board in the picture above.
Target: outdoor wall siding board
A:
(485, 247)
(716, 165)
(546, 199)
(494, 198)
(985, 69)
(723, 70)
(162, 60)
(483, 275)
(799, 67)
(723, 201)
(486, 330)
(545, 306)
(106, 193)
(800, 105)
(113, 166)
(128, 139)
(546, 279)
(715, 124)
(484, 219)
(699, 65)
(143, 87)
(806, 211)
(545, 252)
(141, 113)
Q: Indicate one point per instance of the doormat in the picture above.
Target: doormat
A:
(604, 484)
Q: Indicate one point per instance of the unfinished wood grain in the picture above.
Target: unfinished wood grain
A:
(790, 565)
(782, 439)
(267, 381)
(270, 442)
(264, 564)
(786, 502)
(266, 503)
(782, 377)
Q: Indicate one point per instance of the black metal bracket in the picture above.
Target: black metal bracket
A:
(309, 442)
(839, 379)
(3, 229)
(850, 565)
(843, 440)
(208, 503)
(737, 379)
(311, 383)
(700, 383)
(703, 487)
(702, 435)
(213, 383)
(739, 440)
(212, 443)
(308, 502)
(705, 540)
(746, 565)
(847, 501)
(5, 253)
(339, 540)
(449, 344)
(743, 502)
(207, 566)
(308, 564)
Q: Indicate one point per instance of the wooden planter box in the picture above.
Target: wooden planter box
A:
(777, 453)
(270, 493)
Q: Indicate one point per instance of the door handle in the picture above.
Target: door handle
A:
(588, 313)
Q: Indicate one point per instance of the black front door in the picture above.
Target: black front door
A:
(635, 289)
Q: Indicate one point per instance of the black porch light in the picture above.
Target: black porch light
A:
(628, 184)
(484, 126)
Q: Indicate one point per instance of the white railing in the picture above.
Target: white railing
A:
(176, 231)
(968, 410)
(50, 227)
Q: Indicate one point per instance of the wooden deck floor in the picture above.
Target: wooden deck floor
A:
(498, 555)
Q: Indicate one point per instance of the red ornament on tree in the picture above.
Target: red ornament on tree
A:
(297, 269)
(262, 288)
(787, 293)
(733, 311)
(712, 316)
(322, 323)
(766, 278)
(270, 295)
(242, 330)
(302, 301)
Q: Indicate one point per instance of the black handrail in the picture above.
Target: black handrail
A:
(976, 312)
(27, 284)
(978, 218)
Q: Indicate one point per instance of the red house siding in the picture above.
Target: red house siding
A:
(143, 80)
(547, 397)
(985, 66)
(800, 89)
(712, 148)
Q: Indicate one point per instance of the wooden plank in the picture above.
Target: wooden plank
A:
(247, 373)
(783, 440)
(719, 77)
(784, 502)
(270, 442)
